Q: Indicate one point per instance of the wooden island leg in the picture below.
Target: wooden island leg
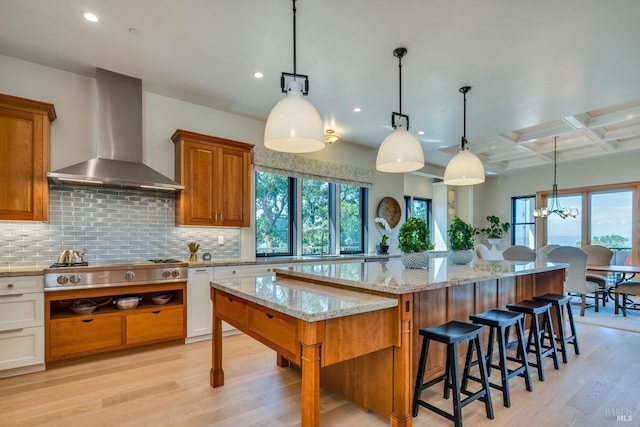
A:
(216, 375)
(401, 415)
(310, 363)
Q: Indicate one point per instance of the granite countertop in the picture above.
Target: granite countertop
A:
(29, 270)
(391, 276)
(306, 301)
(288, 260)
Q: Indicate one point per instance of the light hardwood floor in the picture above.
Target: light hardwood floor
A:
(170, 387)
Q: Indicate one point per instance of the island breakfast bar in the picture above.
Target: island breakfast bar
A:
(353, 327)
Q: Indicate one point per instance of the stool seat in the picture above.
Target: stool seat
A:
(533, 309)
(559, 301)
(499, 322)
(453, 333)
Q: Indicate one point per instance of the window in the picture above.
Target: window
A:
(315, 217)
(327, 213)
(523, 226)
(605, 218)
(611, 223)
(274, 201)
(416, 206)
(352, 219)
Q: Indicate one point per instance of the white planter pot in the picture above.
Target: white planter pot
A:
(461, 257)
(415, 259)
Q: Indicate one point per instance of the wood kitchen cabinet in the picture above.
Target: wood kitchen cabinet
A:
(69, 335)
(24, 158)
(216, 174)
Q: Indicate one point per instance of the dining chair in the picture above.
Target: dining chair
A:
(599, 255)
(544, 251)
(519, 253)
(575, 282)
(482, 252)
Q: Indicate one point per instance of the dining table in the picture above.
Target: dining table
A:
(623, 273)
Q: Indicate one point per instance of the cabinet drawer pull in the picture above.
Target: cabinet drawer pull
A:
(11, 330)
(156, 312)
(10, 295)
(10, 285)
(87, 321)
(201, 270)
(230, 299)
(270, 316)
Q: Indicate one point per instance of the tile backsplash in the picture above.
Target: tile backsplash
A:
(111, 224)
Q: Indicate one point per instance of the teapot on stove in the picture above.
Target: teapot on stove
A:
(71, 256)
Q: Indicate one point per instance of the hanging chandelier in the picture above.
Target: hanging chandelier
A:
(465, 168)
(294, 125)
(400, 151)
(554, 206)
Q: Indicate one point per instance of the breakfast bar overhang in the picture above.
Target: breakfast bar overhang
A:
(353, 327)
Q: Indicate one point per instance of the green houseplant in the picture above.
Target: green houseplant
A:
(414, 239)
(495, 230)
(461, 237)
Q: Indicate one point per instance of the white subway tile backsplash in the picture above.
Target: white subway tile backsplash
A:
(112, 225)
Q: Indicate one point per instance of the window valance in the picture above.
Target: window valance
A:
(266, 160)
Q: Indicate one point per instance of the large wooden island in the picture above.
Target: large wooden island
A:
(354, 327)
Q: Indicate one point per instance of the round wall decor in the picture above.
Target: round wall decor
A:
(389, 209)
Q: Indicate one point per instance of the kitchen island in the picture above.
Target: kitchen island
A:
(377, 366)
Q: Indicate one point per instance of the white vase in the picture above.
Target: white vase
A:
(415, 259)
(461, 257)
(494, 252)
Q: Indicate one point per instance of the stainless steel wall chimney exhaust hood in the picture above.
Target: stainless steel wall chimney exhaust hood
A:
(119, 140)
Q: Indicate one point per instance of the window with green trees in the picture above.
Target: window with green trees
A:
(274, 201)
(327, 212)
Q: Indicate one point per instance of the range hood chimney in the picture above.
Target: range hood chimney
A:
(119, 140)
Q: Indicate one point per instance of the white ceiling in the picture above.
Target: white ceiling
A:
(537, 68)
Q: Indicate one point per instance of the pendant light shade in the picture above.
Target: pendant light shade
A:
(465, 168)
(294, 125)
(400, 151)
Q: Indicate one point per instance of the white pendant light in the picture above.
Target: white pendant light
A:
(400, 151)
(465, 168)
(294, 125)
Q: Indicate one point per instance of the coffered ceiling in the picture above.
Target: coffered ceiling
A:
(538, 69)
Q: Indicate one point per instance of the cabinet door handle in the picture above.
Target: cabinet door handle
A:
(216, 213)
(202, 270)
(11, 330)
(221, 217)
(10, 295)
(270, 316)
(156, 312)
(87, 321)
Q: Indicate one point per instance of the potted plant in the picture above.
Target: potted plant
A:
(383, 246)
(414, 239)
(461, 237)
(493, 233)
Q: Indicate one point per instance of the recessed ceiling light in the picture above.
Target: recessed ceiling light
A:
(421, 132)
(258, 75)
(90, 16)
(357, 109)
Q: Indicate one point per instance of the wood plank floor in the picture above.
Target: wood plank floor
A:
(170, 387)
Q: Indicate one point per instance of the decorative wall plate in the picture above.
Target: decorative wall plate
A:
(389, 209)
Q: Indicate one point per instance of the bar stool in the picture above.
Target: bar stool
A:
(499, 322)
(533, 309)
(560, 301)
(453, 333)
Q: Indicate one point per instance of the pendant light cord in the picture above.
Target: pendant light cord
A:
(400, 84)
(555, 163)
(463, 141)
(294, 40)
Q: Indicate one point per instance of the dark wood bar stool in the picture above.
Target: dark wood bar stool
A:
(561, 302)
(533, 309)
(499, 323)
(453, 333)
